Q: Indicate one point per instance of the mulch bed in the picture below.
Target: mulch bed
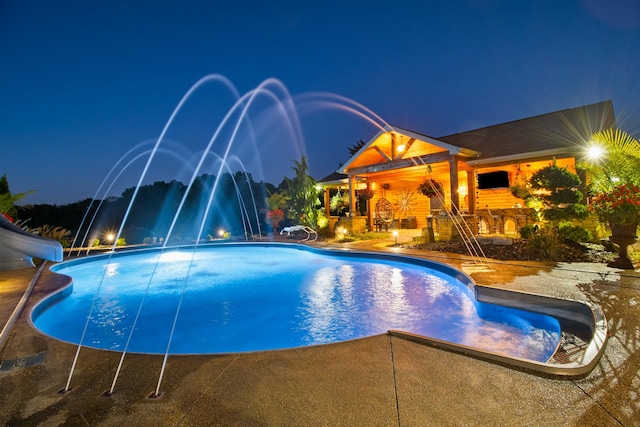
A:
(520, 251)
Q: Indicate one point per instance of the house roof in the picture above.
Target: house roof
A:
(335, 178)
(564, 131)
(548, 135)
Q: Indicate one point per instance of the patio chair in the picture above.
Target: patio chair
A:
(384, 214)
(296, 228)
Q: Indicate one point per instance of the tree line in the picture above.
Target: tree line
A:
(239, 206)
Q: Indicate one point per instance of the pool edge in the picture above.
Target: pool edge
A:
(576, 314)
(595, 324)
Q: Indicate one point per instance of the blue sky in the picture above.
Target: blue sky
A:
(81, 83)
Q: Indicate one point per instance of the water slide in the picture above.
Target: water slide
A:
(17, 247)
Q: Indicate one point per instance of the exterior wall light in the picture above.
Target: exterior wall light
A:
(595, 152)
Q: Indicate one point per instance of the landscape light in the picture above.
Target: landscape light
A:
(341, 233)
(395, 235)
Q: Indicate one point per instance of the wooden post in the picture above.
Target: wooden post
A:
(327, 202)
(453, 175)
(471, 190)
(352, 195)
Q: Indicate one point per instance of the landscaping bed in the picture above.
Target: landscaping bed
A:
(520, 250)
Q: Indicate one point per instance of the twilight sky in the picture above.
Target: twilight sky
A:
(82, 83)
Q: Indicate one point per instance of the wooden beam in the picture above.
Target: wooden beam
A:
(382, 153)
(427, 159)
(408, 145)
(393, 145)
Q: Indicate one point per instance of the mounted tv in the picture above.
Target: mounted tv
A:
(489, 180)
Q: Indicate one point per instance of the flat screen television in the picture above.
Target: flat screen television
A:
(499, 179)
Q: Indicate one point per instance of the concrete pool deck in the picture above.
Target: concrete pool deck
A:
(376, 381)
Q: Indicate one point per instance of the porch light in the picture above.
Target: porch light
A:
(401, 148)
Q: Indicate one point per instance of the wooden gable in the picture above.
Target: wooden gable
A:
(395, 148)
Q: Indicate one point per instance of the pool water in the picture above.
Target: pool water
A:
(241, 298)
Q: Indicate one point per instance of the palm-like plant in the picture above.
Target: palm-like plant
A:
(619, 163)
(7, 200)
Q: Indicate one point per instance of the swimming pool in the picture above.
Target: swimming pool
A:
(251, 297)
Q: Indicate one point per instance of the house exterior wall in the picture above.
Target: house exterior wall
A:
(395, 161)
(496, 210)
(519, 174)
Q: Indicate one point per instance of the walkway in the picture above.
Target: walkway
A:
(377, 381)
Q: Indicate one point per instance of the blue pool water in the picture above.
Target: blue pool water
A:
(239, 298)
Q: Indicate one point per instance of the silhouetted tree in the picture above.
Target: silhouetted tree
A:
(357, 146)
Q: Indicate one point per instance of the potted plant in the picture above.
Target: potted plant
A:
(621, 206)
(431, 188)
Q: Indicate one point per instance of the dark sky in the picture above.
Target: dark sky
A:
(82, 83)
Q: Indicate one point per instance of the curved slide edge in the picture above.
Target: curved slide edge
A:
(17, 247)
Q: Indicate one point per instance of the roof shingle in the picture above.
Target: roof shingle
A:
(561, 129)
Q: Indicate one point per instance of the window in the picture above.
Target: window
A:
(499, 179)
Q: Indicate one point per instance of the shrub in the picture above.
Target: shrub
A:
(561, 197)
(274, 217)
(545, 243)
(54, 233)
(121, 242)
(324, 232)
(576, 233)
(527, 231)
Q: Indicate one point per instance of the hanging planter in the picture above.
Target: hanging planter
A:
(431, 188)
(366, 193)
(520, 191)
